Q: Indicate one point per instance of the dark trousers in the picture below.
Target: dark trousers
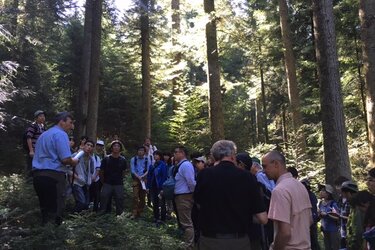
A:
(314, 237)
(95, 189)
(158, 205)
(118, 192)
(49, 186)
(29, 165)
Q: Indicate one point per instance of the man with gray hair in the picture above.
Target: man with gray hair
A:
(290, 207)
(224, 213)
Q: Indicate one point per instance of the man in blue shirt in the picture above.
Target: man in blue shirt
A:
(184, 189)
(52, 152)
(139, 166)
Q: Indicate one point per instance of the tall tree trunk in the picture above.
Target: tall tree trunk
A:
(146, 62)
(259, 120)
(264, 103)
(367, 17)
(290, 67)
(93, 104)
(284, 127)
(216, 110)
(362, 87)
(334, 133)
(85, 69)
(176, 30)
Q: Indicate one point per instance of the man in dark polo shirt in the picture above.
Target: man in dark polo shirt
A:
(112, 171)
(227, 198)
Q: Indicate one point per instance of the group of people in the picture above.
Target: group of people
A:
(225, 200)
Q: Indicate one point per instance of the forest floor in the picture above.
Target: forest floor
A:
(20, 226)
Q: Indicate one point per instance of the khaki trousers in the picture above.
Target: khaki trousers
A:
(184, 204)
(138, 198)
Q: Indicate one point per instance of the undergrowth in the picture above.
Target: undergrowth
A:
(21, 228)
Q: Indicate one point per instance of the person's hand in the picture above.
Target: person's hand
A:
(31, 153)
(161, 192)
(323, 213)
(74, 161)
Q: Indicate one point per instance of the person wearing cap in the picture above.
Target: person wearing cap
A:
(228, 198)
(52, 152)
(200, 163)
(348, 189)
(112, 171)
(329, 213)
(33, 131)
(290, 207)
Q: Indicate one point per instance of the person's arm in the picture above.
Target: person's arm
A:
(189, 174)
(282, 236)
(260, 218)
(30, 146)
(132, 168)
(70, 161)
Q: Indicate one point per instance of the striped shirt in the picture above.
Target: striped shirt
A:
(34, 131)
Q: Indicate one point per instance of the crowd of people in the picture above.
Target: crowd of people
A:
(222, 200)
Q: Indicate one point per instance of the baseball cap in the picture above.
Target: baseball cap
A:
(245, 159)
(100, 142)
(349, 185)
(38, 112)
(201, 158)
(328, 188)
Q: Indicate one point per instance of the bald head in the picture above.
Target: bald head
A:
(276, 156)
(274, 164)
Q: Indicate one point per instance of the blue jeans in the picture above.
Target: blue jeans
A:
(81, 196)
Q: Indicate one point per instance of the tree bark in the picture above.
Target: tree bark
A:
(85, 69)
(216, 110)
(259, 120)
(176, 30)
(334, 133)
(264, 103)
(367, 17)
(146, 62)
(93, 100)
(290, 67)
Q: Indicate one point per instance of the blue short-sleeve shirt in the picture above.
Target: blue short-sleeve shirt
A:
(50, 149)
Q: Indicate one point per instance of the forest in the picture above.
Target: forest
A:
(297, 76)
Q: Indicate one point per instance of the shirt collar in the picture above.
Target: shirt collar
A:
(287, 175)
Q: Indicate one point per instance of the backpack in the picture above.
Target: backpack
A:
(170, 183)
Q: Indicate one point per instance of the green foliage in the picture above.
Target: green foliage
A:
(19, 213)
